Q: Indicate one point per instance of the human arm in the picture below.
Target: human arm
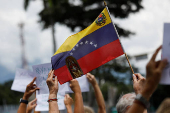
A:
(53, 89)
(30, 89)
(98, 93)
(138, 84)
(68, 101)
(153, 75)
(74, 85)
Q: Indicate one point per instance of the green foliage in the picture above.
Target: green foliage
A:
(7, 95)
(83, 14)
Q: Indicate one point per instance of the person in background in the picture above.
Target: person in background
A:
(126, 101)
(98, 94)
(153, 75)
(53, 90)
(30, 89)
(164, 107)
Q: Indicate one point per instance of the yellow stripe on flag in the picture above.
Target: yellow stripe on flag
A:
(71, 41)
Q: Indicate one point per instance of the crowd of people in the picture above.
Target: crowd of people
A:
(133, 102)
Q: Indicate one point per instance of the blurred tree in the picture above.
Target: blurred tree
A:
(7, 95)
(115, 73)
(81, 13)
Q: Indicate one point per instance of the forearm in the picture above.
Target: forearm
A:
(78, 103)
(53, 106)
(100, 99)
(136, 108)
(23, 107)
(69, 109)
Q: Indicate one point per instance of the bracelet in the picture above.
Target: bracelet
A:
(53, 99)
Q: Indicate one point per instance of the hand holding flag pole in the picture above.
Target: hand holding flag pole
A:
(119, 39)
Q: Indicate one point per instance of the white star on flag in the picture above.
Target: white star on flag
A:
(71, 53)
(81, 43)
(86, 42)
(77, 45)
(91, 43)
(95, 45)
(73, 49)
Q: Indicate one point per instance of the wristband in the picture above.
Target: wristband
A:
(142, 100)
(23, 101)
(53, 99)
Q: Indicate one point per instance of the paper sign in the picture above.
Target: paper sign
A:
(165, 79)
(22, 79)
(43, 105)
(83, 82)
(41, 72)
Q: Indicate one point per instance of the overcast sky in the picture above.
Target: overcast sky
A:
(147, 24)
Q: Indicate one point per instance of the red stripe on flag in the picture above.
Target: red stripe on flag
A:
(100, 56)
(63, 74)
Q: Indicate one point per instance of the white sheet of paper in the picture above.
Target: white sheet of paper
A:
(22, 79)
(43, 105)
(165, 79)
(83, 82)
(41, 72)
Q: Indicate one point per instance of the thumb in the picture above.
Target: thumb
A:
(134, 78)
(162, 64)
(33, 106)
(56, 80)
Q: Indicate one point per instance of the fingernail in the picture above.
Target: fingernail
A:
(133, 75)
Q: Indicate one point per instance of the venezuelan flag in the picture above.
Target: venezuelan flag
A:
(91, 47)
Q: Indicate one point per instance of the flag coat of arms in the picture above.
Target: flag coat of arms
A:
(88, 49)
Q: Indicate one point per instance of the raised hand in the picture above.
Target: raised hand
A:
(91, 79)
(138, 82)
(31, 105)
(52, 83)
(30, 89)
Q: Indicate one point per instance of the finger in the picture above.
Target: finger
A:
(157, 63)
(56, 81)
(52, 74)
(134, 78)
(162, 64)
(155, 54)
(88, 76)
(33, 80)
(49, 74)
(139, 76)
(34, 101)
(34, 105)
(33, 90)
(66, 96)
